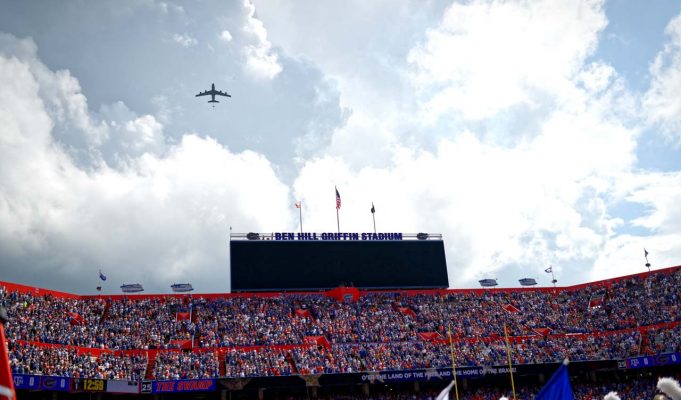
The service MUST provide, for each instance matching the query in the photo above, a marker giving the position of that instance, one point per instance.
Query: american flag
(299, 204)
(338, 201)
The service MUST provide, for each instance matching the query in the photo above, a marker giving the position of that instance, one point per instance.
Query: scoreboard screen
(264, 265)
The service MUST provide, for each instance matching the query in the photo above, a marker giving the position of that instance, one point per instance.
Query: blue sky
(634, 36)
(528, 133)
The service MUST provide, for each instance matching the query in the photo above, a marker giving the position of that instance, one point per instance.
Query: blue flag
(101, 275)
(558, 387)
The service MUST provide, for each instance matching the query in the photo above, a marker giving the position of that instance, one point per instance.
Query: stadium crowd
(184, 365)
(63, 361)
(257, 362)
(241, 336)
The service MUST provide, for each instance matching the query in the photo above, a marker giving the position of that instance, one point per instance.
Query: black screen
(262, 265)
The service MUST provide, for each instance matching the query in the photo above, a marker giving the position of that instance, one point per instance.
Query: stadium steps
(105, 313)
(151, 363)
(291, 360)
(644, 344)
(222, 367)
(193, 311)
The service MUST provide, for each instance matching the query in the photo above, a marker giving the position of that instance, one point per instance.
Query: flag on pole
(558, 387)
(548, 270)
(338, 200)
(299, 204)
(101, 275)
(645, 253)
(444, 394)
(373, 209)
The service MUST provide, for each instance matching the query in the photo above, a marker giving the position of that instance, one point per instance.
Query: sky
(529, 133)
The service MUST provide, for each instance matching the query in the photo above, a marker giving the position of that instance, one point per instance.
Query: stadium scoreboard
(312, 261)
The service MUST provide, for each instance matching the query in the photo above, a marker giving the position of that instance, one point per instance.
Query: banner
(189, 385)
(37, 382)
(55, 383)
(122, 386)
(432, 373)
(26, 382)
(654, 361)
(336, 236)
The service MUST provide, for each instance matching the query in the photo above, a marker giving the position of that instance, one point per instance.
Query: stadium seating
(177, 337)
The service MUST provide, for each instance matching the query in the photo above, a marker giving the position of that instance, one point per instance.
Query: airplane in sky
(212, 93)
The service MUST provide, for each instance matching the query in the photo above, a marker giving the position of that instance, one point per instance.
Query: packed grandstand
(177, 337)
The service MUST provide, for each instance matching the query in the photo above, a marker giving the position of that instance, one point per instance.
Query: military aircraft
(212, 93)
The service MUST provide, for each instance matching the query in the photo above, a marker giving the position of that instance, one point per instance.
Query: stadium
(304, 335)
(171, 220)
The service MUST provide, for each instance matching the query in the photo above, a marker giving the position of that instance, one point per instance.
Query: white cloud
(157, 218)
(144, 133)
(261, 61)
(662, 101)
(226, 36)
(543, 198)
(185, 40)
(60, 94)
(660, 194)
(539, 202)
(488, 56)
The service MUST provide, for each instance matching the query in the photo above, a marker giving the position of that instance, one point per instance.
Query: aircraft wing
(206, 93)
(219, 93)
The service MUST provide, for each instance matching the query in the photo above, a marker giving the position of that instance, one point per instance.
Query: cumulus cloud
(532, 204)
(226, 36)
(185, 40)
(662, 101)
(157, 218)
(60, 93)
(261, 61)
(487, 56)
(660, 194)
(542, 199)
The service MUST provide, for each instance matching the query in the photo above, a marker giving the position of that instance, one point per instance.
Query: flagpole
(373, 215)
(337, 208)
(553, 279)
(645, 253)
(508, 354)
(451, 349)
(300, 209)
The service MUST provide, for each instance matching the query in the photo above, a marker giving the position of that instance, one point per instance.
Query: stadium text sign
(32, 382)
(432, 373)
(191, 385)
(337, 236)
(654, 361)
